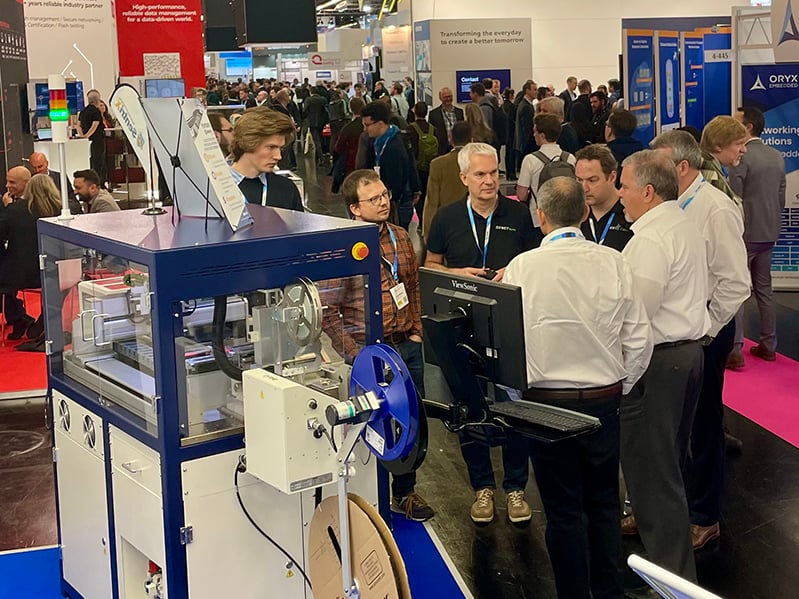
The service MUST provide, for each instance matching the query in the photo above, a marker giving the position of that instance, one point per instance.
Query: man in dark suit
(568, 95)
(40, 165)
(259, 138)
(581, 114)
(16, 181)
(443, 118)
(314, 110)
(760, 180)
(525, 144)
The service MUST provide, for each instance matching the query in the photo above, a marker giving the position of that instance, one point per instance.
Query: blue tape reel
(392, 430)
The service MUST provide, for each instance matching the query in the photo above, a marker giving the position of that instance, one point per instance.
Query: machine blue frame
(195, 258)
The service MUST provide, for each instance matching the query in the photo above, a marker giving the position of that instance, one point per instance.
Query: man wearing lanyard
(596, 171)
(669, 265)
(368, 200)
(392, 161)
(722, 227)
(259, 137)
(478, 236)
(572, 363)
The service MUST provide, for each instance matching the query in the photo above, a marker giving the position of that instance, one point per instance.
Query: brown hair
(601, 154)
(548, 125)
(349, 188)
(721, 132)
(255, 125)
(42, 196)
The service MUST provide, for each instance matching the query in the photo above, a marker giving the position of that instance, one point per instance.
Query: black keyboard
(565, 421)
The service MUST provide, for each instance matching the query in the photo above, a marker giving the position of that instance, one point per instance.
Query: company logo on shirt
(505, 228)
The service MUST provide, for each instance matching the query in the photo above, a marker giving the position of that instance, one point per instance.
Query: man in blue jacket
(391, 158)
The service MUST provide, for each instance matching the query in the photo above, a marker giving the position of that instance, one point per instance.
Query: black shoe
(36, 330)
(413, 506)
(19, 327)
(35, 345)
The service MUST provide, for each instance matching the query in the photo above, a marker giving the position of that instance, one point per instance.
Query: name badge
(399, 295)
(377, 170)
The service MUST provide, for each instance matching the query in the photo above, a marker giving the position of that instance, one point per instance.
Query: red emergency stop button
(360, 251)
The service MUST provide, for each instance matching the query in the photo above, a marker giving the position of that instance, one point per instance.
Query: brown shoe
(629, 526)
(518, 508)
(702, 535)
(761, 352)
(483, 507)
(735, 361)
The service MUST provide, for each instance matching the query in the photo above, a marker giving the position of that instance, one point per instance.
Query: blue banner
(718, 77)
(639, 87)
(774, 89)
(693, 55)
(668, 82)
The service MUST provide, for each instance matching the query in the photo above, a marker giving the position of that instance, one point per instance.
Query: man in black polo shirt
(90, 125)
(596, 171)
(479, 236)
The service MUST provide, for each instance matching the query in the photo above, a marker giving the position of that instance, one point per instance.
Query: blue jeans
(477, 456)
(403, 485)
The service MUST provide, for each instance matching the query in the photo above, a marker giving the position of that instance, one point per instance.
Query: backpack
(554, 167)
(428, 147)
(500, 120)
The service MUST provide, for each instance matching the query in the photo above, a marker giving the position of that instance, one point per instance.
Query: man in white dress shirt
(587, 340)
(722, 227)
(669, 264)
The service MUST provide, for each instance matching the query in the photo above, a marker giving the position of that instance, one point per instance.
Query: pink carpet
(766, 393)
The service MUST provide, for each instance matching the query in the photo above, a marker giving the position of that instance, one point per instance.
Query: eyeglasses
(375, 201)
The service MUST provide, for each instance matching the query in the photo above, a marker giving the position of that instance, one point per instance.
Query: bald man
(90, 126)
(41, 166)
(16, 180)
(443, 118)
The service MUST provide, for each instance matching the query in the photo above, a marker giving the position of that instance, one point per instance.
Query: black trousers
(97, 159)
(578, 480)
(705, 469)
(656, 421)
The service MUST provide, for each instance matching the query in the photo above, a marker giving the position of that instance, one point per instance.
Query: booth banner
(161, 27)
(125, 107)
(784, 32)
(397, 53)
(693, 49)
(75, 39)
(774, 89)
(668, 80)
(718, 75)
(421, 46)
(639, 60)
(325, 60)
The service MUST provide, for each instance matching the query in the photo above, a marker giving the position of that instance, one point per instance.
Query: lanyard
(263, 195)
(395, 266)
(601, 240)
(487, 236)
(687, 202)
(562, 235)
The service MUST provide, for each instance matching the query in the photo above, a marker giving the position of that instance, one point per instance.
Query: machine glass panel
(299, 331)
(98, 310)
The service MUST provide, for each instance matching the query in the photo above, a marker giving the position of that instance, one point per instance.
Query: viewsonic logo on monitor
(464, 286)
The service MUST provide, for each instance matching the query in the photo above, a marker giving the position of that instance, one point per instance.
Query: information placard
(668, 80)
(639, 60)
(693, 49)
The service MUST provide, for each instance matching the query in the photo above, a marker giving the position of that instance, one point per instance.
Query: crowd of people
(647, 255)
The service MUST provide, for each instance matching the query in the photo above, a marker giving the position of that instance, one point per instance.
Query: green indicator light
(59, 115)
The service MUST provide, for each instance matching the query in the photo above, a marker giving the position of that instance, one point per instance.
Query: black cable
(239, 468)
(218, 339)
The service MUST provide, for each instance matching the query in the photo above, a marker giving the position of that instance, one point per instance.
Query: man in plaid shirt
(368, 200)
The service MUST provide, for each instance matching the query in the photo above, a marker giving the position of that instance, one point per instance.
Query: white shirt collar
(692, 188)
(238, 177)
(554, 234)
(649, 216)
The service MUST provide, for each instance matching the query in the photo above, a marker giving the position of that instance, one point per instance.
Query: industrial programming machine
(201, 413)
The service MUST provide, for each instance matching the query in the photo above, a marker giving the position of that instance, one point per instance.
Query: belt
(670, 344)
(538, 394)
(396, 338)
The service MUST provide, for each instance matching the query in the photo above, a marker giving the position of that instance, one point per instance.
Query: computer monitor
(164, 88)
(465, 79)
(489, 319)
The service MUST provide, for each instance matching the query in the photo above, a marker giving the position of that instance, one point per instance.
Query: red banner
(161, 27)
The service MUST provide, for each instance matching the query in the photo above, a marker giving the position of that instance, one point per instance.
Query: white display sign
(718, 55)
(325, 61)
(397, 53)
(76, 39)
(125, 107)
